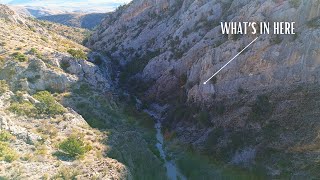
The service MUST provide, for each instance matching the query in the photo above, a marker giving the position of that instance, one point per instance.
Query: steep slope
(60, 117)
(87, 21)
(261, 111)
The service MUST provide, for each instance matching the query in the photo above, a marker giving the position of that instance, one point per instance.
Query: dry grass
(19, 38)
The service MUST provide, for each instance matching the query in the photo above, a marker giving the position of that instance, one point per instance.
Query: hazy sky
(100, 5)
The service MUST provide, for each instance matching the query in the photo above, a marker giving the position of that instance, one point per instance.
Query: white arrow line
(230, 61)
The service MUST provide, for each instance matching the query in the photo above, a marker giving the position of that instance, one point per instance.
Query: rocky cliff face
(255, 107)
(186, 39)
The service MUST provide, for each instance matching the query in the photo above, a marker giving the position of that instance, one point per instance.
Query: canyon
(260, 113)
(133, 93)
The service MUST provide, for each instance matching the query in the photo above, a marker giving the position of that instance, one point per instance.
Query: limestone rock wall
(187, 35)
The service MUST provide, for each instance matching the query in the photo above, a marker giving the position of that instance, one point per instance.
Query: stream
(172, 171)
(155, 111)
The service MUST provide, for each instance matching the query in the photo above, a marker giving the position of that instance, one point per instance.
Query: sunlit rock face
(188, 41)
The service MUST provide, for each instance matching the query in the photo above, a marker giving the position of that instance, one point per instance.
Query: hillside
(71, 6)
(260, 113)
(87, 21)
(35, 11)
(60, 116)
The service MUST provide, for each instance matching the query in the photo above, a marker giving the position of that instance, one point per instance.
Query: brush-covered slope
(60, 117)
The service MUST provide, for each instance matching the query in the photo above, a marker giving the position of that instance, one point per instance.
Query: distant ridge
(87, 21)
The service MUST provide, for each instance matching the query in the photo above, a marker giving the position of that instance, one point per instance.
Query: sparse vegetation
(5, 136)
(24, 108)
(19, 57)
(35, 52)
(49, 130)
(3, 87)
(6, 153)
(66, 174)
(77, 53)
(48, 104)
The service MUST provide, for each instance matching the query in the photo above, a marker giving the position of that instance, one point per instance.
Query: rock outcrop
(10, 15)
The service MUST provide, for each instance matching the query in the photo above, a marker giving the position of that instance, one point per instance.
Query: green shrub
(97, 60)
(18, 96)
(84, 89)
(313, 23)
(48, 104)
(5, 136)
(44, 39)
(34, 51)
(95, 122)
(64, 65)
(19, 56)
(137, 65)
(276, 39)
(33, 29)
(203, 117)
(241, 90)
(262, 108)
(74, 146)
(6, 153)
(24, 108)
(76, 53)
(213, 80)
(142, 118)
(3, 86)
(212, 140)
(219, 108)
